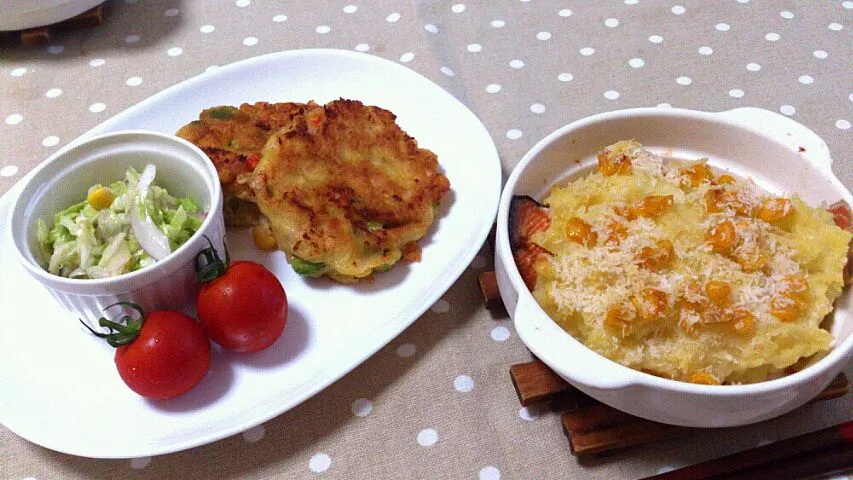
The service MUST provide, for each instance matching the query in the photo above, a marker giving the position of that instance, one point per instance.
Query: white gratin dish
(780, 155)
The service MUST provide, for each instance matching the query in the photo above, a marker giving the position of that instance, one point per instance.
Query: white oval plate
(58, 385)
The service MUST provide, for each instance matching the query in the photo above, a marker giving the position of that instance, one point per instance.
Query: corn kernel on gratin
(672, 269)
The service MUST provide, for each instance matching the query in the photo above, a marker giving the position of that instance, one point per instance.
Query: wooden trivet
(594, 428)
(42, 35)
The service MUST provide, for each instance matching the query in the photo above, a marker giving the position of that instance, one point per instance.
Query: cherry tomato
(242, 306)
(161, 355)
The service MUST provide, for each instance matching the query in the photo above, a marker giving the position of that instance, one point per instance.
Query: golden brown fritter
(234, 138)
(346, 191)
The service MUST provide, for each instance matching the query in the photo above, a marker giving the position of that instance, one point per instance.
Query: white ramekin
(182, 168)
(779, 154)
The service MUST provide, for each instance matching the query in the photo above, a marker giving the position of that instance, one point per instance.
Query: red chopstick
(823, 451)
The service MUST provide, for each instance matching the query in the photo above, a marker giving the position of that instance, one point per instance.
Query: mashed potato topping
(668, 268)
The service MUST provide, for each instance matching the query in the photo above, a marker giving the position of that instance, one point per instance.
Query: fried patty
(234, 139)
(344, 190)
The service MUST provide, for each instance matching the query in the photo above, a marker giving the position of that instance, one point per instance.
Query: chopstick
(823, 451)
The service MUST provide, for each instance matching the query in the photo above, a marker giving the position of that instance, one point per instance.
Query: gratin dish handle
(568, 357)
(792, 133)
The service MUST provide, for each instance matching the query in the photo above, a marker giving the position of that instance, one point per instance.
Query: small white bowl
(182, 168)
(780, 155)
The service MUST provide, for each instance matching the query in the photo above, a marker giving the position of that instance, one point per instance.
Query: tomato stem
(123, 331)
(214, 267)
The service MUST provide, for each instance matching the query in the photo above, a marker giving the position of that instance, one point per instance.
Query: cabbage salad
(119, 228)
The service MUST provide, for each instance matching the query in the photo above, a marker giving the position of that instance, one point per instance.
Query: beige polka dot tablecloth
(437, 401)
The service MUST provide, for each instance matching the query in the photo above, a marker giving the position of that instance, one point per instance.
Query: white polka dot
(55, 49)
(753, 67)
(500, 334)
(175, 51)
(131, 39)
(678, 9)
(427, 437)
(474, 47)
(53, 93)
(447, 71)
(611, 95)
(493, 88)
(242, 3)
(787, 110)
(543, 36)
(772, 37)
(656, 39)
(254, 434)
(490, 473)
(736, 93)
(458, 8)
(516, 63)
(636, 63)
(319, 462)
(19, 72)
(393, 18)
(835, 26)
(705, 50)
(172, 12)
(843, 124)
(537, 108)
(850, 97)
(664, 105)
(684, 80)
(723, 27)
(786, 14)
(463, 383)
(362, 47)
(50, 141)
(848, 5)
(139, 463)
(279, 18)
(742, 1)
(528, 414)
(350, 9)
(431, 28)
(250, 41)
(134, 81)
(587, 51)
(821, 54)
(611, 23)
(407, 57)
(498, 23)
(565, 13)
(565, 77)
(14, 119)
(361, 407)
(631, 2)
(478, 262)
(441, 306)
(8, 171)
(323, 29)
(207, 29)
(97, 107)
(97, 62)
(806, 79)
(407, 350)
(514, 134)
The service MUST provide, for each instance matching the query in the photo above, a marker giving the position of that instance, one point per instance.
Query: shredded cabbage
(85, 242)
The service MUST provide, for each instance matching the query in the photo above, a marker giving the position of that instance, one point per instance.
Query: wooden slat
(632, 433)
(88, 19)
(36, 36)
(489, 289)
(536, 383)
